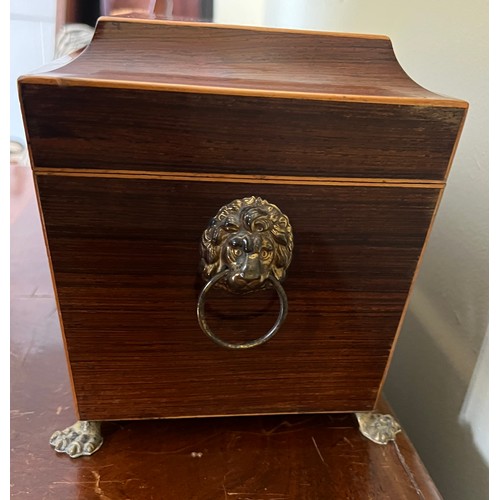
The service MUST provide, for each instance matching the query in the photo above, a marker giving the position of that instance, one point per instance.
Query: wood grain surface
(125, 254)
(97, 128)
(262, 61)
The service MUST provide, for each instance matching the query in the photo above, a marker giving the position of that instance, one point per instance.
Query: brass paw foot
(377, 427)
(82, 438)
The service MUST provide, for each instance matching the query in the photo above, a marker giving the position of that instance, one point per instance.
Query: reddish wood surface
(82, 127)
(271, 60)
(256, 458)
(125, 254)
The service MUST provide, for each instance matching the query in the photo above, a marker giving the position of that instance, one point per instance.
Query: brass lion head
(250, 239)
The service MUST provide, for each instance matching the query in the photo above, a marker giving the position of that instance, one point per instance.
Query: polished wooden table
(274, 457)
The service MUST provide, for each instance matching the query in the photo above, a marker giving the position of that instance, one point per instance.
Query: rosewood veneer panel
(125, 259)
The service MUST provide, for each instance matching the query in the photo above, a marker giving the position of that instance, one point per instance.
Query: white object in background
(475, 410)
(72, 38)
(32, 40)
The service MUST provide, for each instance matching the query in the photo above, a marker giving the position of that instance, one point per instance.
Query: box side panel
(99, 128)
(125, 254)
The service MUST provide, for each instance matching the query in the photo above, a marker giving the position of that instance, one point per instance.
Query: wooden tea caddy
(283, 153)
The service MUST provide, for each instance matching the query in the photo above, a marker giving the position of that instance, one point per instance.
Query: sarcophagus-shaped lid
(326, 104)
(270, 62)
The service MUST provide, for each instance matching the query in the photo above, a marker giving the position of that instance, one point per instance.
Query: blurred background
(438, 380)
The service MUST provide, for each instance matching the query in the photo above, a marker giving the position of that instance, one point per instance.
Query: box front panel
(125, 255)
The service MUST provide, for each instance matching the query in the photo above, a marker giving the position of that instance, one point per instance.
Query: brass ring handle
(200, 311)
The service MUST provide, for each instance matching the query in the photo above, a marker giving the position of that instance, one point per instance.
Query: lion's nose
(250, 270)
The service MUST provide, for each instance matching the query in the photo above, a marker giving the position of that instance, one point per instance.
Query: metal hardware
(82, 438)
(247, 247)
(241, 345)
(377, 427)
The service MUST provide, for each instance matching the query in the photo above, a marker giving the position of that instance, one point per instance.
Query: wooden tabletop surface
(275, 457)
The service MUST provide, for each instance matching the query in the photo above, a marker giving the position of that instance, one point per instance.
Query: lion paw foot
(82, 438)
(377, 427)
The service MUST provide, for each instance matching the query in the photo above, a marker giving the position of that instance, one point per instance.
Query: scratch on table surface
(60, 409)
(281, 496)
(177, 450)
(289, 425)
(348, 442)
(17, 413)
(224, 485)
(97, 487)
(408, 471)
(317, 449)
(28, 350)
(82, 467)
(72, 482)
(93, 482)
(247, 495)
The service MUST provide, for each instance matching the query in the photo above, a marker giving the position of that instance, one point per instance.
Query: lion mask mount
(250, 239)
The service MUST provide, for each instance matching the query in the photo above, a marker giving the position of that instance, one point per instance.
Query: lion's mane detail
(253, 220)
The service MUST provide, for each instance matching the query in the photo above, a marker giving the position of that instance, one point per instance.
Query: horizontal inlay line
(61, 80)
(239, 178)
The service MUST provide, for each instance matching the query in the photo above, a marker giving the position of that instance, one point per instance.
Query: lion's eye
(265, 253)
(230, 226)
(260, 226)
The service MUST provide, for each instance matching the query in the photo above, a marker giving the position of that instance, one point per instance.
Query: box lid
(168, 96)
(238, 60)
